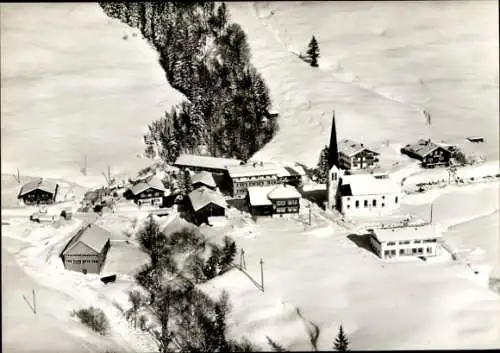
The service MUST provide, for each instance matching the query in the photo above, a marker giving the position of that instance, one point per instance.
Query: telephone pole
(262, 273)
(242, 259)
(34, 301)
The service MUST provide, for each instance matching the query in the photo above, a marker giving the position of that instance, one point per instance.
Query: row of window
(403, 252)
(245, 185)
(406, 242)
(287, 209)
(373, 203)
(284, 203)
(79, 262)
(258, 177)
(150, 194)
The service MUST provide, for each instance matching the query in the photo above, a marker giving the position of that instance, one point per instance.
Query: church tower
(334, 173)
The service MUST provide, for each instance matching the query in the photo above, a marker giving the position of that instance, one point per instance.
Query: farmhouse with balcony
(86, 252)
(197, 163)
(354, 155)
(428, 153)
(272, 200)
(150, 191)
(203, 178)
(38, 192)
(252, 174)
(204, 203)
(420, 241)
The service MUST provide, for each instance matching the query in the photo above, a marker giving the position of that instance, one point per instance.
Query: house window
(357, 203)
(406, 242)
(366, 203)
(280, 203)
(429, 250)
(413, 251)
(348, 199)
(334, 176)
(401, 252)
(383, 197)
(393, 252)
(386, 253)
(396, 199)
(348, 206)
(374, 203)
(391, 243)
(382, 205)
(417, 241)
(420, 250)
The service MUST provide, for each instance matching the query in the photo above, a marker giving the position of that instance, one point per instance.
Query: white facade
(362, 195)
(334, 176)
(368, 205)
(419, 241)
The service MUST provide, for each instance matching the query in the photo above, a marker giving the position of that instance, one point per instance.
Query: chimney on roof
(362, 145)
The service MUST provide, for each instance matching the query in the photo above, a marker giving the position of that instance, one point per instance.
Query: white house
(421, 241)
(252, 174)
(362, 194)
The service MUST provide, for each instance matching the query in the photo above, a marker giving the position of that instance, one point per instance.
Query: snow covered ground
(377, 77)
(71, 85)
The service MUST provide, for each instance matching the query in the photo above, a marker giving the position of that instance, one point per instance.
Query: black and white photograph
(250, 176)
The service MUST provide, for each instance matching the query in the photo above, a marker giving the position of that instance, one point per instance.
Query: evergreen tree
(341, 343)
(313, 52)
(228, 254)
(323, 166)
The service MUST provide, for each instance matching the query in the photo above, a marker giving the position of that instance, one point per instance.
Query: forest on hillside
(207, 58)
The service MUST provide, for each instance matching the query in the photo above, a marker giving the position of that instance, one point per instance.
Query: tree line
(207, 58)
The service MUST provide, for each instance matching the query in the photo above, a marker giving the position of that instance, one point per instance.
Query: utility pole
(431, 214)
(34, 301)
(262, 273)
(309, 214)
(18, 177)
(242, 259)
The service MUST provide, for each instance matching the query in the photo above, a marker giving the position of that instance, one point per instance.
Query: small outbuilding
(276, 199)
(205, 203)
(38, 192)
(87, 250)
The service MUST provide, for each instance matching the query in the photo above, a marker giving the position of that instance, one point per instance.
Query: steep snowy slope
(380, 65)
(75, 82)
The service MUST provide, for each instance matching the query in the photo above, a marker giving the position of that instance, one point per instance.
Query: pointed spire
(333, 154)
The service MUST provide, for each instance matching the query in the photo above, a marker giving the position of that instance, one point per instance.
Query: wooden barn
(87, 250)
(203, 178)
(150, 191)
(38, 192)
(205, 203)
(428, 153)
(354, 155)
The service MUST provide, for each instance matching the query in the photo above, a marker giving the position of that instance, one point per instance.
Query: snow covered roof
(258, 195)
(93, 236)
(253, 169)
(283, 192)
(203, 196)
(41, 184)
(406, 233)
(422, 148)
(350, 147)
(205, 178)
(368, 184)
(287, 170)
(153, 182)
(191, 160)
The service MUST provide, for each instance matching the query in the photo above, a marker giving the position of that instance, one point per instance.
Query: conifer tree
(323, 166)
(313, 52)
(341, 343)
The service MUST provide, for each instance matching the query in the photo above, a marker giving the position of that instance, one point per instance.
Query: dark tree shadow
(315, 196)
(362, 241)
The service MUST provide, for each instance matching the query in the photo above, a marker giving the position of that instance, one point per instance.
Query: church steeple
(333, 153)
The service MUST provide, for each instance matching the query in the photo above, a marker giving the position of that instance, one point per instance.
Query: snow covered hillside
(380, 65)
(75, 82)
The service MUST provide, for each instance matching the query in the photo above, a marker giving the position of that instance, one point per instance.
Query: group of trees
(340, 344)
(187, 319)
(207, 58)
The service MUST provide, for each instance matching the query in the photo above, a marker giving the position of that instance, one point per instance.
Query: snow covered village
(247, 176)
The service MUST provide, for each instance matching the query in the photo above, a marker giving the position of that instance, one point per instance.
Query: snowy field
(71, 85)
(377, 77)
(380, 65)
